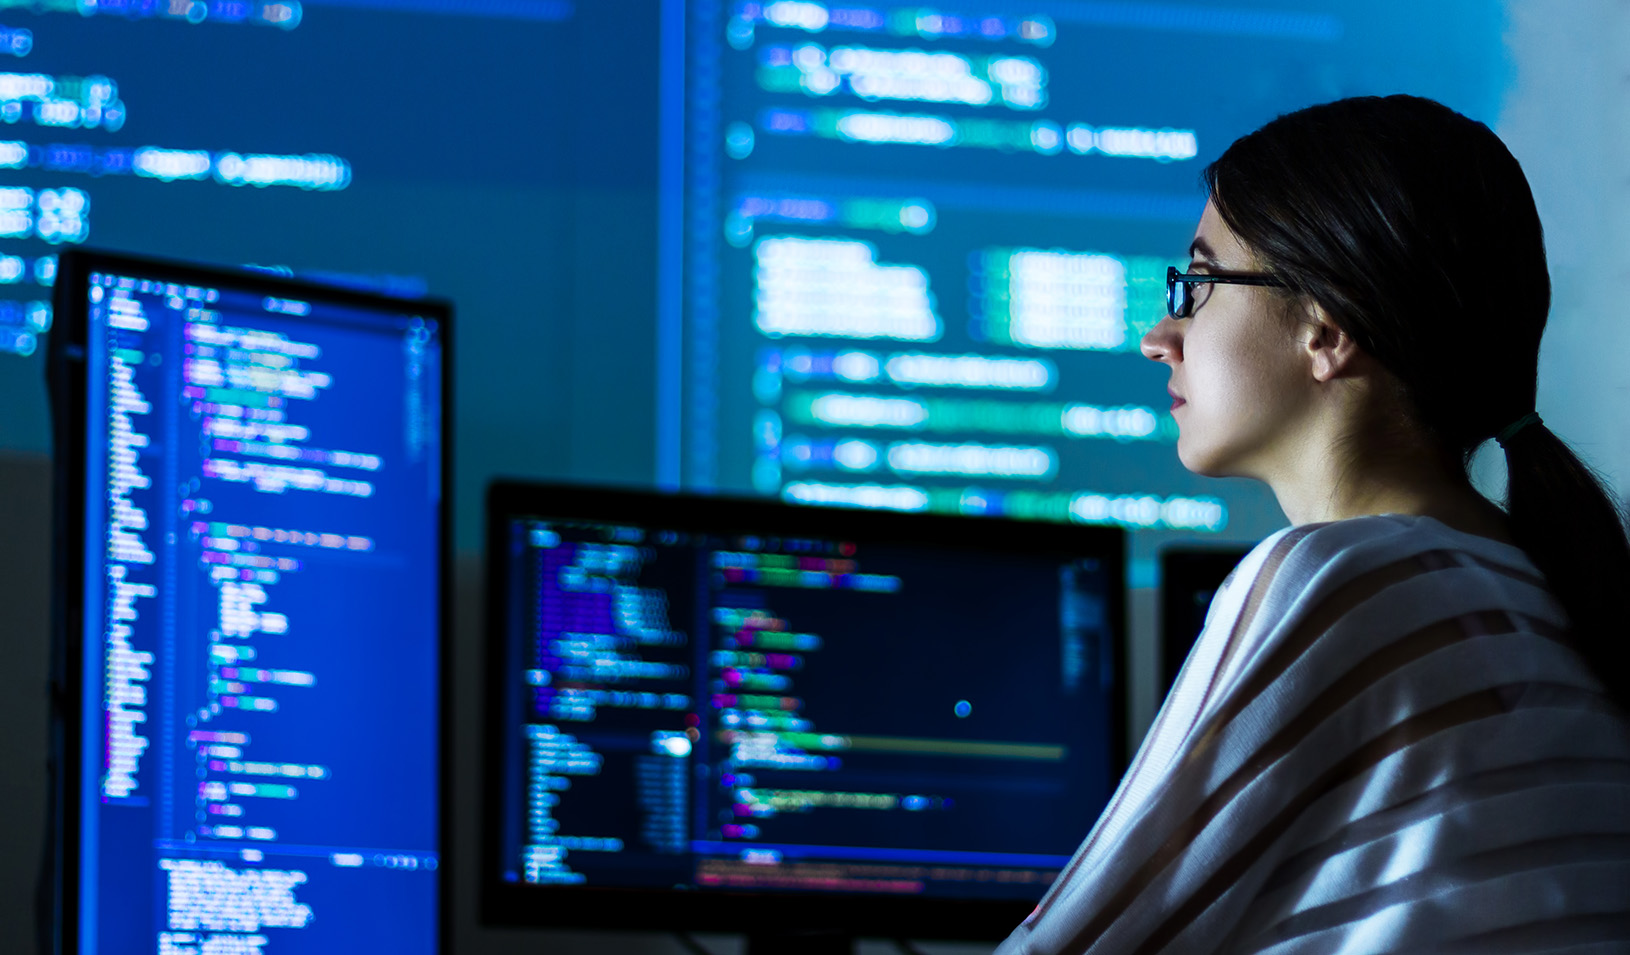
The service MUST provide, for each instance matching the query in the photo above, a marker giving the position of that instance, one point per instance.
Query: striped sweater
(1382, 743)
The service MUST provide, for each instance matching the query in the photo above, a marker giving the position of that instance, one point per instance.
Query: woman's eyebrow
(1201, 249)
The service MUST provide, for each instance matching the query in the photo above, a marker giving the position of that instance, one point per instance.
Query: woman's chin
(1199, 459)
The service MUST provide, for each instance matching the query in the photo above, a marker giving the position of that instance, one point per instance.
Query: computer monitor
(1189, 578)
(250, 596)
(719, 714)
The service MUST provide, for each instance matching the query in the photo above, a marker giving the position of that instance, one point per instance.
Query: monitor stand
(800, 943)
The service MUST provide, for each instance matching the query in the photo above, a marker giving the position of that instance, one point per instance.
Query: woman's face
(1239, 377)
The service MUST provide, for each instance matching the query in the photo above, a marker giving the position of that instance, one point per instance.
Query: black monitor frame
(844, 915)
(66, 378)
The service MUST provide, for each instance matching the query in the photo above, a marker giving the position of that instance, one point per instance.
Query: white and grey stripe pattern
(1381, 744)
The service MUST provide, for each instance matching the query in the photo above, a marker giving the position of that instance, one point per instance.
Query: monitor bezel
(66, 380)
(518, 905)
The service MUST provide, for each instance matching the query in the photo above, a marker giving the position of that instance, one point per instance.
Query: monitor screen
(252, 510)
(1189, 579)
(922, 242)
(722, 697)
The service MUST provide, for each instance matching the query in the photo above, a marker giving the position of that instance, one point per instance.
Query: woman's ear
(1330, 351)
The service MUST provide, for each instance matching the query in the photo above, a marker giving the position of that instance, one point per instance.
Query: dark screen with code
(713, 710)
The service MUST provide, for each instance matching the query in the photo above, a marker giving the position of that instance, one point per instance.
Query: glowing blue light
(962, 709)
(856, 366)
(855, 455)
(868, 411)
(858, 18)
(786, 208)
(1046, 137)
(17, 41)
(786, 121)
(871, 496)
(1067, 300)
(171, 164)
(45, 271)
(766, 474)
(915, 129)
(739, 32)
(970, 371)
(874, 74)
(26, 86)
(835, 287)
(1161, 145)
(18, 342)
(738, 140)
(669, 743)
(975, 460)
(1143, 511)
(810, 17)
(917, 216)
(767, 430)
(313, 171)
(1127, 422)
(63, 215)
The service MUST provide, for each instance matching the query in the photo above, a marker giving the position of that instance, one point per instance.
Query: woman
(1403, 728)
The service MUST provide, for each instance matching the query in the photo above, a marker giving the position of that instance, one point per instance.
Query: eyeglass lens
(1178, 297)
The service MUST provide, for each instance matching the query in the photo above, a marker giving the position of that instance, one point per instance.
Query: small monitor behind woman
(1403, 729)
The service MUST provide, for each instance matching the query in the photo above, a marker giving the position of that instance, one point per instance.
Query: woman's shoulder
(1334, 590)
(1333, 554)
(1416, 533)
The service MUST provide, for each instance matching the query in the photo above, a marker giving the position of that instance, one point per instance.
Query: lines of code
(603, 646)
(260, 747)
(923, 244)
(117, 116)
(46, 107)
(784, 776)
(730, 712)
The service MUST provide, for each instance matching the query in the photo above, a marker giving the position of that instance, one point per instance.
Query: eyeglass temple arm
(1189, 278)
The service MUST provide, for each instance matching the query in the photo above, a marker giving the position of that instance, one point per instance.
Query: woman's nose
(1164, 342)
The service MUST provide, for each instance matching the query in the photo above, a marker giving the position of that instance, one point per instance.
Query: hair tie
(1511, 429)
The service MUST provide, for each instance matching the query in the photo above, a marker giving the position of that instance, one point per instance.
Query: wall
(1566, 122)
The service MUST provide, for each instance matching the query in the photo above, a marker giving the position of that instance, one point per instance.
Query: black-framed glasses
(1180, 294)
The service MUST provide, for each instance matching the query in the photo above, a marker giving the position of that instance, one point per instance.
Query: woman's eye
(1198, 293)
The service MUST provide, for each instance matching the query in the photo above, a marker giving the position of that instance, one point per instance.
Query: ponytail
(1574, 532)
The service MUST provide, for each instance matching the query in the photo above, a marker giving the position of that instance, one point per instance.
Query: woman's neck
(1414, 481)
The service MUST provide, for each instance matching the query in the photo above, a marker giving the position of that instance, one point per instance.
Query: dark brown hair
(1414, 228)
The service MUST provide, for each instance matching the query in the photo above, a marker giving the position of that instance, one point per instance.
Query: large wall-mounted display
(921, 244)
(835, 252)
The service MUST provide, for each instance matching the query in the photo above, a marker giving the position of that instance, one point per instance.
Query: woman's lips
(1177, 400)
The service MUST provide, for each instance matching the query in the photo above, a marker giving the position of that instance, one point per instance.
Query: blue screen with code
(258, 755)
